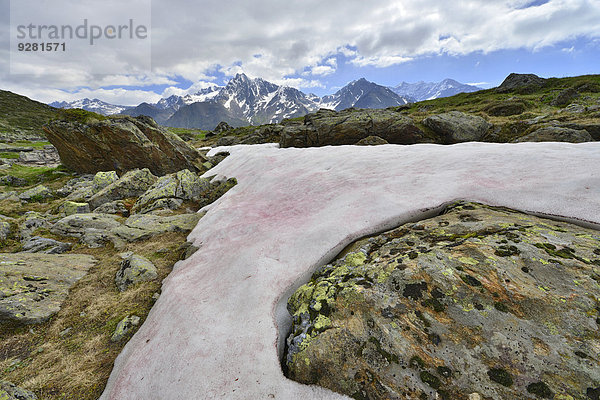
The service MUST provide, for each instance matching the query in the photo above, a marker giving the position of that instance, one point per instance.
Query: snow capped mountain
(94, 105)
(432, 90)
(255, 101)
(362, 94)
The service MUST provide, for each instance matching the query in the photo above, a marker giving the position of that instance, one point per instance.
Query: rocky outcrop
(33, 286)
(557, 134)
(479, 302)
(121, 144)
(327, 127)
(457, 127)
(523, 83)
(47, 156)
(506, 108)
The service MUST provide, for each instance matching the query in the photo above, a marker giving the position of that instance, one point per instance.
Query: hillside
(22, 118)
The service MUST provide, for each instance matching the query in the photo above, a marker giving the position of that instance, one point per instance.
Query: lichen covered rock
(8, 391)
(134, 269)
(33, 286)
(479, 302)
(124, 327)
(132, 184)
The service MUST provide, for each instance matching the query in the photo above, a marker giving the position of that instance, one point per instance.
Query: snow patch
(215, 330)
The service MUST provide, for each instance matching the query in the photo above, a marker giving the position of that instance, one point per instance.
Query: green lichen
(416, 362)
(430, 379)
(501, 376)
(355, 259)
(540, 389)
(501, 307)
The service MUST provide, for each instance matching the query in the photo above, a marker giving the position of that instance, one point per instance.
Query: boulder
(34, 286)
(92, 229)
(479, 302)
(75, 184)
(113, 207)
(104, 178)
(457, 127)
(70, 207)
(124, 327)
(37, 244)
(564, 97)
(95, 230)
(134, 269)
(8, 391)
(37, 193)
(557, 134)
(327, 127)
(121, 144)
(522, 83)
(133, 184)
(5, 228)
(183, 185)
(33, 221)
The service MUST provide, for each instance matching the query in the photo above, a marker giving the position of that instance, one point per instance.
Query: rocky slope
(22, 118)
(479, 302)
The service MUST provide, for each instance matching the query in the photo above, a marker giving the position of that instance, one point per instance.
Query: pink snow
(217, 330)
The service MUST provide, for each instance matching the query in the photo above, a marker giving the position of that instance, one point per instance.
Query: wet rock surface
(33, 286)
(477, 303)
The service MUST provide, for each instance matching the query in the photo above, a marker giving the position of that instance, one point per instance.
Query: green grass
(188, 134)
(9, 155)
(20, 114)
(78, 115)
(34, 175)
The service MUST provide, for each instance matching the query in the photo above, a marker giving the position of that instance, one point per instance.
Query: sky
(314, 45)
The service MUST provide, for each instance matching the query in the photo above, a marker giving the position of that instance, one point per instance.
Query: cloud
(275, 40)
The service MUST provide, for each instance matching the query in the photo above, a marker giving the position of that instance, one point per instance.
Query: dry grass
(76, 364)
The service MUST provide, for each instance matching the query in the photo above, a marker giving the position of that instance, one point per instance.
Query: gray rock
(132, 184)
(34, 286)
(46, 157)
(556, 134)
(564, 97)
(479, 299)
(144, 226)
(124, 327)
(574, 108)
(70, 207)
(10, 180)
(9, 196)
(183, 185)
(113, 207)
(75, 184)
(456, 126)
(222, 127)
(92, 229)
(8, 391)
(134, 269)
(37, 244)
(37, 193)
(33, 220)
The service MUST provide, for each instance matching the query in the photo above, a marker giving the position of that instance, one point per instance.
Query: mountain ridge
(255, 101)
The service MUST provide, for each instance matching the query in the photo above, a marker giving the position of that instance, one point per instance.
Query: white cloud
(195, 40)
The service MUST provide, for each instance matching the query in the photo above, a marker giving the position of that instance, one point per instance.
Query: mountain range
(254, 101)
